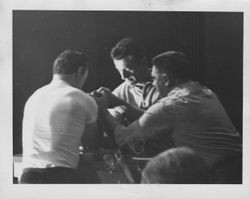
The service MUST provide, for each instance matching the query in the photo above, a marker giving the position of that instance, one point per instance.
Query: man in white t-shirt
(56, 117)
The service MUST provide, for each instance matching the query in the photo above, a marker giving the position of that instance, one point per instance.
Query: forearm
(109, 122)
(120, 134)
(132, 113)
(118, 114)
(111, 100)
(92, 136)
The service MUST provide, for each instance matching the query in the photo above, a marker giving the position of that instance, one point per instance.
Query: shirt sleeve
(154, 120)
(150, 96)
(158, 117)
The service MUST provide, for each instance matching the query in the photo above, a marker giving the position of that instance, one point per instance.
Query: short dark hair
(174, 62)
(128, 46)
(179, 165)
(68, 62)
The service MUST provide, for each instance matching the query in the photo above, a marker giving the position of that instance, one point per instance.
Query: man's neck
(181, 82)
(67, 78)
(177, 83)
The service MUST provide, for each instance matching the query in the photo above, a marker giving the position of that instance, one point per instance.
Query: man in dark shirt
(191, 113)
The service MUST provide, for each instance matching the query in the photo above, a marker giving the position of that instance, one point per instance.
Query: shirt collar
(139, 85)
(184, 88)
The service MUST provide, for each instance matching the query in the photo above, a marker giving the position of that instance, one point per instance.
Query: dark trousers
(55, 175)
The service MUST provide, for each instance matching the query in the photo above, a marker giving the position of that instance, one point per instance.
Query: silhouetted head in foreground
(176, 166)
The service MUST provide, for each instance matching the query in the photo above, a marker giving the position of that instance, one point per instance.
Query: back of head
(69, 61)
(173, 62)
(128, 46)
(176, 166)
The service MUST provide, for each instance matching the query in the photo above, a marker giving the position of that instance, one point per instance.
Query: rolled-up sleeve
(155, 119)
(158, 117)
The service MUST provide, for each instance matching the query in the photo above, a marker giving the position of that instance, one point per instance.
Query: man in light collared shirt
(191, 113)
(131, 62)
(136, 92)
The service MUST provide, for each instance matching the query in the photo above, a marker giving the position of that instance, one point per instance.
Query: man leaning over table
(130, 60)
(188, 111)
(136, 93)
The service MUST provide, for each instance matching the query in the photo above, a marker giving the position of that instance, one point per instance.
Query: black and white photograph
(142, 101)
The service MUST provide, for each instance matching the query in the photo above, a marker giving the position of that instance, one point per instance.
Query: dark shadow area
(213, 41)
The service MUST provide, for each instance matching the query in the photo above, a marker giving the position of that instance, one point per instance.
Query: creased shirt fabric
(55, 117)
(195, 118)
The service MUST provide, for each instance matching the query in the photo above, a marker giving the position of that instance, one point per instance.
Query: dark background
(213, 41)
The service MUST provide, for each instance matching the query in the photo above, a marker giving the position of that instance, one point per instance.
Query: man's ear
(81, 71)
(169, 79)
(166, 79)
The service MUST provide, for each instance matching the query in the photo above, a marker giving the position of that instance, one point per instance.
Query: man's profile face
(128, 69)
(160, 81)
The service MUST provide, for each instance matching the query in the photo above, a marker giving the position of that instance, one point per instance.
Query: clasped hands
(105, 99)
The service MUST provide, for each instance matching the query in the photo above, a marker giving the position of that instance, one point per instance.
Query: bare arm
(130, 112)
(110, 123)
(120, 134)
(152, 122)
(92, 136)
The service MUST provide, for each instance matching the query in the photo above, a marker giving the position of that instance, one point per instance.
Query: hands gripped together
(105, 99)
